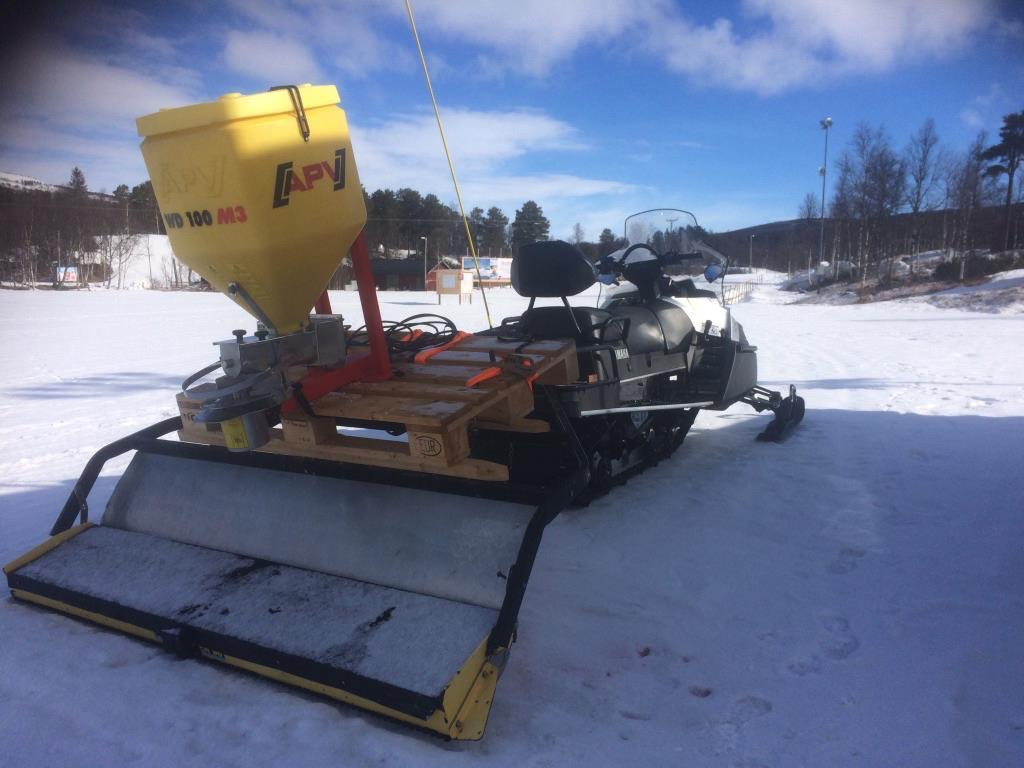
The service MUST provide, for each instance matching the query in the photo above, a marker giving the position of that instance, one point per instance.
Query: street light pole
(750, 266)
(826, 123)
(424, 239)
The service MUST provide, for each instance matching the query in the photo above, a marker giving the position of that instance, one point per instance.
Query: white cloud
(530, 35)
(798, 42)
(479, 140)
(986, 108)
(873, 34)
(344, 34)
(62, 108)
(811, 41)
(972, 119)
(714, 55)
(270, 57)
(49, 151)
(50, 82)
(794, 42)
(406, 152)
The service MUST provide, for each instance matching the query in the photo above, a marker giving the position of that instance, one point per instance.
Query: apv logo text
(288, 180)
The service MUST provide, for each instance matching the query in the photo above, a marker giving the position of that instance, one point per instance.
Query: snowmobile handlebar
(615, 267)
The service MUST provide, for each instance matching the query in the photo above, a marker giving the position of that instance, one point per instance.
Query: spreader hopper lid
(235, 106)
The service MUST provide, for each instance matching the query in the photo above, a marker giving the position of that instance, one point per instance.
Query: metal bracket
(237, 289)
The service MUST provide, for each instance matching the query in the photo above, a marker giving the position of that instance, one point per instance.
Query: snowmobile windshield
(669, 230)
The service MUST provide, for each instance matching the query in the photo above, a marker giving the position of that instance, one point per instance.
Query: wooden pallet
(429, 400)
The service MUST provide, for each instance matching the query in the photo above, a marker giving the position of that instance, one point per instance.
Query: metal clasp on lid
(300, 111)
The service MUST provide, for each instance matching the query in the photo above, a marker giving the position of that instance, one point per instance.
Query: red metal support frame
(323, 304)
(371, 309)
(374, 366)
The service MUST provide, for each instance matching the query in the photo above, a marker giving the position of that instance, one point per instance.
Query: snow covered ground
(1000, 293)
(851, 597)
(1003, 292)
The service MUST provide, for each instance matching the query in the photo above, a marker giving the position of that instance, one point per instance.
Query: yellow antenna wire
(451, 165)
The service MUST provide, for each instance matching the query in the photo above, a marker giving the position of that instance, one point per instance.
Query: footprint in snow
(839, 641)
(804, 666)
(846, 560)
(743, 711)
(643, 716)
(749, 707)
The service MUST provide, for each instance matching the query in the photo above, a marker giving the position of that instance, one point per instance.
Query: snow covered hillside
(850, 597)
(1003, 292)
(25, 183)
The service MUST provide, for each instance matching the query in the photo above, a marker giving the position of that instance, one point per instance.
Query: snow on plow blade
(394, 592)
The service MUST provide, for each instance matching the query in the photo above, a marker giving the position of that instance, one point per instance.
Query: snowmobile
(657, 350)
(385, 574)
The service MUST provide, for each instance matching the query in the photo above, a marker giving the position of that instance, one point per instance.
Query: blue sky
(593, 108)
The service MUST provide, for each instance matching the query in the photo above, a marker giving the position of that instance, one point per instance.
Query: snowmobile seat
(552, 269)
(585, 326)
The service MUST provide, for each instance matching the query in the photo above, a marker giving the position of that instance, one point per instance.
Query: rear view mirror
(712, 272)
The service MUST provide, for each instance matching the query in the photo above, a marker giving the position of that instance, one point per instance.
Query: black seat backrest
(551, 268)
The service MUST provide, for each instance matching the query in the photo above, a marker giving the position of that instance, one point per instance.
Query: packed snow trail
(850, 597)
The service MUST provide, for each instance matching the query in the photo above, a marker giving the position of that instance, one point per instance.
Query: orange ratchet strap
(407, 336)
(520, 365)
(424, 355)
(484, 375)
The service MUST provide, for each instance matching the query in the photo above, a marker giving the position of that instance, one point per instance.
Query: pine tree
(143, 198)
(1009, 151)
(382, 216)
(77, 185)
(494, 225)
(410, 209)
(476, 226)
(530, 225)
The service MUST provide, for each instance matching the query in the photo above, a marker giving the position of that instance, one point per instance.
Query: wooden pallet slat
(403, 387)
(419, 412)
(480, 358)
(433, 403)
(376, 453)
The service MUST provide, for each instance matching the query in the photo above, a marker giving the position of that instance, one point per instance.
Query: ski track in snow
(851, 597)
